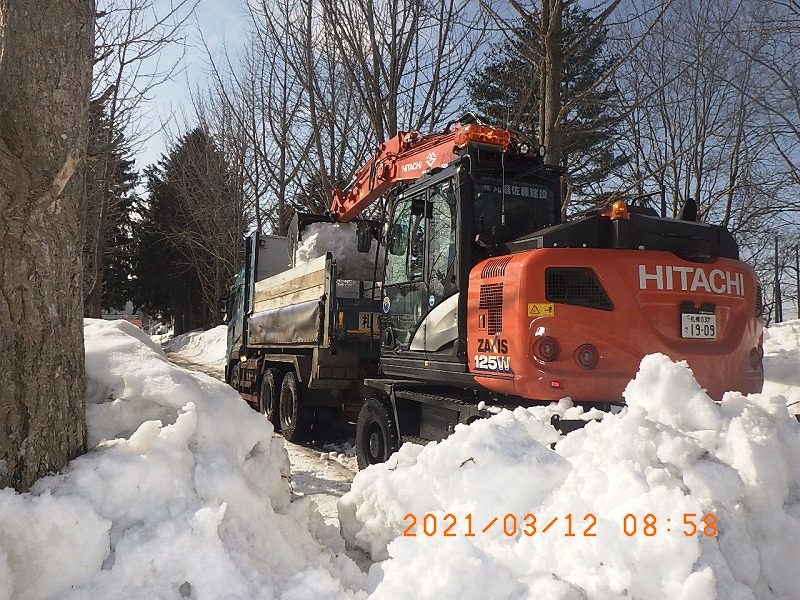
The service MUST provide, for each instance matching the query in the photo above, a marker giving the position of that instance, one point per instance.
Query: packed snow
(673, 454)
(340, 240)
(201, 347)
(322, 476)
(184, 494)
(782, 362)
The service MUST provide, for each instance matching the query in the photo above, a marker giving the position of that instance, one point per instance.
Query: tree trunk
(45, 72)
(551, 74)
(552, 86)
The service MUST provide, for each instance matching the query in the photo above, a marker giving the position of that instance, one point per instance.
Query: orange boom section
(550, 323)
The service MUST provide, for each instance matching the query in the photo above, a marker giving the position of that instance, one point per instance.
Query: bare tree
(405, 59)
(328, 135)
(710, 110)
(695, 125)
(776, 24)
(256, 109)
(366, 71)
(43, 136)
(131, 38)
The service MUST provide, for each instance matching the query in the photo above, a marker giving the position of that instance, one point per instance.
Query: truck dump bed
(307, 307)
(290, 308)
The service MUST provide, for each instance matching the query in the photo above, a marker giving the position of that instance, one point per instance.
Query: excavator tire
(377, 436)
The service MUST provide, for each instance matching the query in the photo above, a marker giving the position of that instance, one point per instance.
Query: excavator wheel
(377, 437)
(269, 398)
(295, 417)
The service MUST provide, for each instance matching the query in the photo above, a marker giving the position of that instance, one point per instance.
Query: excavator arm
(406, 157)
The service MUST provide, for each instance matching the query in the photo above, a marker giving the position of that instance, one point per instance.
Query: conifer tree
(111, 182)
(189, 237)
(506, 91)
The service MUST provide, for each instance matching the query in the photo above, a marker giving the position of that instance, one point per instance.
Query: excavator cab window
(507, 211)
(407, 242)
(441, 238)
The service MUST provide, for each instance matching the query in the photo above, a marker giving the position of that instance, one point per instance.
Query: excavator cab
(440, 228)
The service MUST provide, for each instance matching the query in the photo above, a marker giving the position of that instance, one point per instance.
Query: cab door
(419, 263)
(404, 300)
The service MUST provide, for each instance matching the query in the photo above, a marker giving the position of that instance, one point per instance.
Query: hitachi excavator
(486, 297)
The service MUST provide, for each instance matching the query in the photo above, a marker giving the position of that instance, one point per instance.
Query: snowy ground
(188, 494)
(782, 362)
(201, 350)
(319, 478)
(676, 497)
(185, 494)
(322, 473)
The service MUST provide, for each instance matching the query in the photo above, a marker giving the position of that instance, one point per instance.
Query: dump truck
(302, 339)
(489, 298)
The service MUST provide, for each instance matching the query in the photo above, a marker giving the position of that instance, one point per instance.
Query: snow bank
(781, 361)
(340, 240)
(204, 347)
(672, 452)
(193, 504)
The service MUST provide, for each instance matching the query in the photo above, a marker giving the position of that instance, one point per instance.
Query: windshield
(528, 207)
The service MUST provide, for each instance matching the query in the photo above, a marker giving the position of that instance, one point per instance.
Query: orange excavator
(486, 297)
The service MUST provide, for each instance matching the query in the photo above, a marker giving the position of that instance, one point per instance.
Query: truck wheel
(295, 418)
(376, 433)
(269, 398)
(233, 376)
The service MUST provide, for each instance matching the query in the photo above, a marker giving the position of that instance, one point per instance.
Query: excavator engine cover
(555, 322)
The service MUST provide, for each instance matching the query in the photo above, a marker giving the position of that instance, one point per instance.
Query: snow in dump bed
(203, 347)
(782, 362)
(673, 454)
(184, 495)
(340, 240)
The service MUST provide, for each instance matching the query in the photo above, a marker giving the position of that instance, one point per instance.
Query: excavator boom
(405, 158)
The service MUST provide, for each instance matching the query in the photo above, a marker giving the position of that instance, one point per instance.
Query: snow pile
(204, 347)
(781, 361)
(673, 453)
(340, 240)
(162, 339)
(195, 504)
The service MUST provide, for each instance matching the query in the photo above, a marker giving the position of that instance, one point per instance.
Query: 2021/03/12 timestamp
(567, 525)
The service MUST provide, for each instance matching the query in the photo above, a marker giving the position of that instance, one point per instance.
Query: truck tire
(295, 417)
(270, 396)
(377, 437)
(233, 376)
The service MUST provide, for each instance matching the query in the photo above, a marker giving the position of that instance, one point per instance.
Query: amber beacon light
(483, 134)
(618, 210)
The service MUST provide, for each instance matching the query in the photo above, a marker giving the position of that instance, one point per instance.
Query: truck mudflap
(287, 325)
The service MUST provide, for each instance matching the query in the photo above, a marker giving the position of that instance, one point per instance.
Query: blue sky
(221, 23)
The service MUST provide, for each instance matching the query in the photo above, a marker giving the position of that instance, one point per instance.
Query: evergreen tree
(118, 258)
(506, 91)
(189, 235)
(110, 190)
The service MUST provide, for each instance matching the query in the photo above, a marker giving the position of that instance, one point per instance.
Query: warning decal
(540, 309)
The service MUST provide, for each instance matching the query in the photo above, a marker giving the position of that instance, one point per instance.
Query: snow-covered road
(323, 473)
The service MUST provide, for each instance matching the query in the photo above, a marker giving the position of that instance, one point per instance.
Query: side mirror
(397, 240)
(364, 234)
(222, 308)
